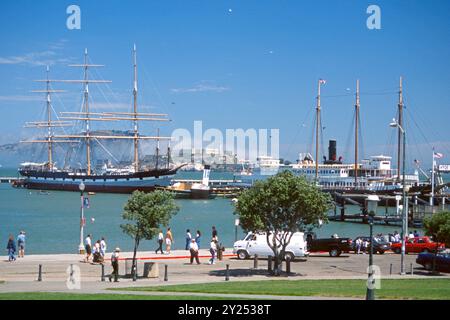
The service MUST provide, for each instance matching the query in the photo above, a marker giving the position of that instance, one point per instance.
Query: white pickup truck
(256, 243)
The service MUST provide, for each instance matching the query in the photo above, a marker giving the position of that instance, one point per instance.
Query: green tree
(438, 226)
(280, 206)
(146, 213)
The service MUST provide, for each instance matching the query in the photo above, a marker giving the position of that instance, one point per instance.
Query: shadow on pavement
(239, 273)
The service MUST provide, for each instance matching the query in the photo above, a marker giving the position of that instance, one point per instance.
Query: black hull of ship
(146, 181)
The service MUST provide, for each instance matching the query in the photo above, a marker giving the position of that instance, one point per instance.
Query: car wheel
(398, 250)
(242, 255)
(289, 255)
(381, 252)
(428, 266)
(335, 253)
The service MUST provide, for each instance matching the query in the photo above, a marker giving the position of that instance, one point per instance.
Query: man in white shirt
(160, 242)
(103, 247)
(88, 247)
(193, 248)
(115, 265)
(188, 238)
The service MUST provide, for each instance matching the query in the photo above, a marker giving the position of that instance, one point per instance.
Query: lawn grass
(112, 296)
(390, 288)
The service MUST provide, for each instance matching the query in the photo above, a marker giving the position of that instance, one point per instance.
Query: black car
(380, 244)
(442, 261)
(334, 245)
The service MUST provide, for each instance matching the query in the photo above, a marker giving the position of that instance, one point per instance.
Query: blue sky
(255, 66)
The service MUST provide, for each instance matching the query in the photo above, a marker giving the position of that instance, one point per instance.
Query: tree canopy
(282, 205)
(146, 213)
(282, 202)
(438, 226)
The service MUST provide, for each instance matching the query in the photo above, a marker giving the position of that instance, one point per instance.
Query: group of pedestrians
(361, 245)
(193, 246)
(168, 239)
(98, 250)
(11, 246)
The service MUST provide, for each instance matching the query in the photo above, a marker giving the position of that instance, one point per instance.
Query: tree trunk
(434, 258)
(134, 264)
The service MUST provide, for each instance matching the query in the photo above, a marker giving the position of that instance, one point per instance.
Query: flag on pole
(86, 202)
(438, 155)
(322, 81)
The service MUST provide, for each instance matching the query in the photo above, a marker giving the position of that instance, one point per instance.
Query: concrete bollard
(103, 273)
(255, 262)
(390, 270)
(412, 270)
(227, 273)
(288, 265)
(269, 263)
(40, 273)
(165, 273)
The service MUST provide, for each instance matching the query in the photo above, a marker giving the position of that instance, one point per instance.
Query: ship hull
(62, 181)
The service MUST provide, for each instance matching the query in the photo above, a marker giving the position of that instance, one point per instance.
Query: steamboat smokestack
(332, 150)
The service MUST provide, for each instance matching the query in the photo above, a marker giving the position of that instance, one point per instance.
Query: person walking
(213, 251)
(96, 256)
(160, 242)
(21, 244)
(188, 238)
(365, 244)
(358, 246)
(193, 248)
(396, 236)
(103, 247)
(115, 265)
(88, 247)
(11, 247)
(169, 240)
(416, 234)
(215, 234)
(198, 237)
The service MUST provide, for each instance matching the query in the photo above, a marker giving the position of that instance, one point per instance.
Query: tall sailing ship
(107, 178)
(368, 175)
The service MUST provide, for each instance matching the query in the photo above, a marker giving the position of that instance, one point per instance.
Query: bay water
(52, 221)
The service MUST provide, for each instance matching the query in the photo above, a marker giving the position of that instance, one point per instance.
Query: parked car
(256, 244)
(442, 261)
(380, 244)
(418, 245)
(334, 245)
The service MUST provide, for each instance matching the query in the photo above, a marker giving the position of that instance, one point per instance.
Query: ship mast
(88, 116)
(135, 115)
(357, 105)
(49, 124)
(317, 129)
(400, 122)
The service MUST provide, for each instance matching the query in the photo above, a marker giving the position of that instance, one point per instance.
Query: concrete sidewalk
(22, 275)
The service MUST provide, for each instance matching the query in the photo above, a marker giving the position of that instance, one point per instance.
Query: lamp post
(81, 246)
(372, 205)
(236, 224)
(395, 124)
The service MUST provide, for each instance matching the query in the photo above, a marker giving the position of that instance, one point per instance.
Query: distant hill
(12, 154)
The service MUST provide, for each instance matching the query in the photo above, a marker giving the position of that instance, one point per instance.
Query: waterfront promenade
(22, 275)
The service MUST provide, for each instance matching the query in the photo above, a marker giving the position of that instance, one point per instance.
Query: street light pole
(395, 123)
(372, 204)
(405, 207)
(81, 246)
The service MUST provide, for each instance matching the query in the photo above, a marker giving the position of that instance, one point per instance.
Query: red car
(418, 245)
